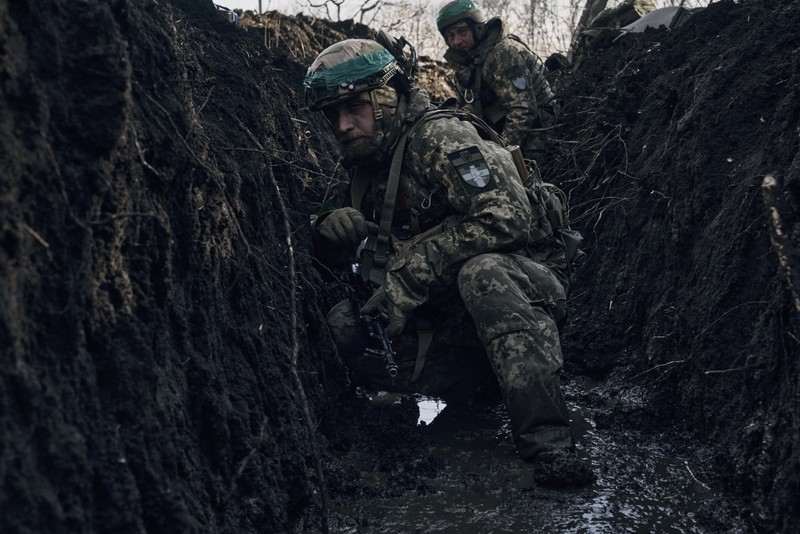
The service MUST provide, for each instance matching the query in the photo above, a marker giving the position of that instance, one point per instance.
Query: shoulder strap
(476, 86)
(483, 127)
(379, 246)
(358, 188)
(519, 40)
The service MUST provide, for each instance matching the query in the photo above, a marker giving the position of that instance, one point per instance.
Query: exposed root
(293, 284)
(657, 367)
(788, 256)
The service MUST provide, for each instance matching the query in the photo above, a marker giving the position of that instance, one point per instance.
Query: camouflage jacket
(503, 81)
(448, 173)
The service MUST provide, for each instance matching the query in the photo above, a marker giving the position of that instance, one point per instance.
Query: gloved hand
(400, 294)
(380, 304)
(344, 228)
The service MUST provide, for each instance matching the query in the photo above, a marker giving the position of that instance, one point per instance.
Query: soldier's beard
(360, 148)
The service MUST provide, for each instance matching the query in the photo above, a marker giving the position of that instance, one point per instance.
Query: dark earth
(165, 365)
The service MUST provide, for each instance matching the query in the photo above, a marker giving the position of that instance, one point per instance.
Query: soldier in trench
(464, 270)
(498, 77)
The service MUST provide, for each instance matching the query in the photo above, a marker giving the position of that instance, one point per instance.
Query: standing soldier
(498, 77)
(465, 273)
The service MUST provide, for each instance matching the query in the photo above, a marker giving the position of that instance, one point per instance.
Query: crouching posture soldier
(498, 77)
(465, 274)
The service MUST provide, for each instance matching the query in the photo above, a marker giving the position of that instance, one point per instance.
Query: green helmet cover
(347, 69)
(457, 10)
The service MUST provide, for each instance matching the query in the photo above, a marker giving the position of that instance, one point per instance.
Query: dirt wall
(683, 304)
(150, 316)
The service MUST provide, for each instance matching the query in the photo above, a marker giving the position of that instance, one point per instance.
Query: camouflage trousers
(501, 320)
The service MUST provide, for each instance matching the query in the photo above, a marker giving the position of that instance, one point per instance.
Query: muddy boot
(528, 363)
(561, 468)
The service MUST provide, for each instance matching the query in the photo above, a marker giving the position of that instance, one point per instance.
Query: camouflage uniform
(491, 283)
(513, 96)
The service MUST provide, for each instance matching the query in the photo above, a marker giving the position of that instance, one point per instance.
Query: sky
(290, 7)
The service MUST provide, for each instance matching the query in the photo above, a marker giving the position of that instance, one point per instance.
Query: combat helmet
(457, 10)
(349, 68)
(358, 68)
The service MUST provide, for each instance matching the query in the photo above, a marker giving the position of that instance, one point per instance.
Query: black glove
(380, 304)
(344, 228)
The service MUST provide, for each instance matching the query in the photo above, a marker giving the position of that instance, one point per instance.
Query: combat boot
(561, 468)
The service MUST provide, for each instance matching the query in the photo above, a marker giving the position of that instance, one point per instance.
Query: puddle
(429, 408)
(485, 488)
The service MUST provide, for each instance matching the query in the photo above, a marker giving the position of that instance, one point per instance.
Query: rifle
(374, 324)
(378, 331)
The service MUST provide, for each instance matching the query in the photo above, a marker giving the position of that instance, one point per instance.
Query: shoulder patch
(473, 170)
(517, 76)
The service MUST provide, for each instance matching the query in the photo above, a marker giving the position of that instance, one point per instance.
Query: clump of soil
(165, 361)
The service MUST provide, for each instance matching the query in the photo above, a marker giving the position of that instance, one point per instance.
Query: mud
(164, 361)
(645, 483)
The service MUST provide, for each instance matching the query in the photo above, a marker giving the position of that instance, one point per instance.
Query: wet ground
(483, 487)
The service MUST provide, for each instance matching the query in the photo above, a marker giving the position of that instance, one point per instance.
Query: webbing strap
(387, 212)
(424, 339)
(358, 188)
(476, 87)
(379, 248)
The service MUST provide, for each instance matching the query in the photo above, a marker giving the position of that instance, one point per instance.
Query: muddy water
(485, 489)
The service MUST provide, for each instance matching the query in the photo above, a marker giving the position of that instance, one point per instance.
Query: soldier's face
(353, 125)
(459, 37)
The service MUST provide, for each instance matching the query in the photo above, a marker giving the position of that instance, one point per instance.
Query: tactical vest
(484, 100)
(550, 219)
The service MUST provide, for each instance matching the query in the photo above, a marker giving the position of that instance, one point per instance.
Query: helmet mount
(396, 47)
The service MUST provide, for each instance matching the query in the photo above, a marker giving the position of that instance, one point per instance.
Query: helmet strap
(478, 30)
(377, 112)
(388, 127)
